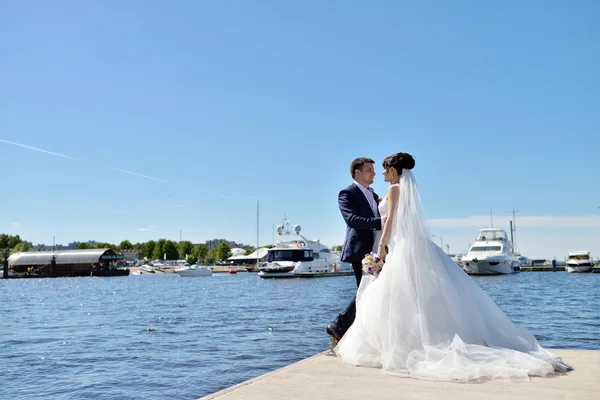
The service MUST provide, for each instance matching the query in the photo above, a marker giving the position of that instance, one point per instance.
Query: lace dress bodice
(383, 206)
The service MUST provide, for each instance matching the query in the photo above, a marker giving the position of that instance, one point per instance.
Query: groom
(358, 205)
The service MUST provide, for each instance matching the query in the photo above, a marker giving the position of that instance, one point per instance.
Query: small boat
(579, 261)
(146, 268)
(193, 271)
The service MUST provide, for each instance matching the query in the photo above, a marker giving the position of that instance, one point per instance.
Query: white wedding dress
(423, 317)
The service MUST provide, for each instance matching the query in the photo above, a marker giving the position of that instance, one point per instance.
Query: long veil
(424, 317)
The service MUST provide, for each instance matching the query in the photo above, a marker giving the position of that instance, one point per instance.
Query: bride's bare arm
(393, 195)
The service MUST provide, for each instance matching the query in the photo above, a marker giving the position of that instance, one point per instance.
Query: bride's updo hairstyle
(399, 161)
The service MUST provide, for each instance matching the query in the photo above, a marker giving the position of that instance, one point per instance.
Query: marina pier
(326, 377)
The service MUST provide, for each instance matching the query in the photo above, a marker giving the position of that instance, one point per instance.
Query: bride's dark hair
(399, 161)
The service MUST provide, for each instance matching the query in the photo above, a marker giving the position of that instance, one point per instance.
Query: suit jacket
(360, 223)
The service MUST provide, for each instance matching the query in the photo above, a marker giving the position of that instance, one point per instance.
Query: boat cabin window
(316, 256)
(491, 235)
(579, 257)
(290, 255)
(486, 248)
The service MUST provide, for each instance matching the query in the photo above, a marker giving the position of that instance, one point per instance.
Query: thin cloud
(221, 195)
(148, 229)
(17, 224)
(542, 221)
(79, 160)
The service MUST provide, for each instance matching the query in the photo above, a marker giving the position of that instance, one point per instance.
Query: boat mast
(257, 225)
(514, 226)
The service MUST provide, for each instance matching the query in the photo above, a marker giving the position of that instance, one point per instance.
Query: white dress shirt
(369, 196)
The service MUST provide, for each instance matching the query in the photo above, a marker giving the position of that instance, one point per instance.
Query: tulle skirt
(423, 317)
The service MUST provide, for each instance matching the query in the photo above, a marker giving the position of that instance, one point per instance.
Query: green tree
(148, 249)
(23, 246)
(185, 247)
(200, 252)
(337, 248)
(4, 240)
(125, 245)
(83, 246)
(192, 260)
(171, 250)
(223, 251)
(13, 241)
(105, 245)
(211, 256)
(139, 247)
(157, 252)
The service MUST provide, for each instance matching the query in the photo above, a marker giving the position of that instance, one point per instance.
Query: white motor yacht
(296, 256)
(579, 261)
(491, 254)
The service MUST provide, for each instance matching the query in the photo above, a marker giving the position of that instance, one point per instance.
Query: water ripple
(155, 337)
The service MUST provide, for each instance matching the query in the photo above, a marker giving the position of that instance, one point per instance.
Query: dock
(307, 275)
(325, 377)
(549, 268)
(543, 268)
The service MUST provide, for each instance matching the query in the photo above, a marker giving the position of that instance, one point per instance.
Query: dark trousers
(342, 322)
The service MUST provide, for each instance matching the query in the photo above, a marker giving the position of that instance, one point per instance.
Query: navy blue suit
(361, 223)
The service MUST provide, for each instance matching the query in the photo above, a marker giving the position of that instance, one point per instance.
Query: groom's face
(366, 175)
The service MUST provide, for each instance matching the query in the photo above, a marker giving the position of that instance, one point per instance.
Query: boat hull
(579, 268)
(485, 267)
(289, 275)
(187, 273)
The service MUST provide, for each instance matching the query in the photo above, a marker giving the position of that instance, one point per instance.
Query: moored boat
(579, 261)
(295, 256)
(491, 254)
(194, 271)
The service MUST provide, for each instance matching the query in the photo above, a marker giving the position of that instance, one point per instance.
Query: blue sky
(154, 117)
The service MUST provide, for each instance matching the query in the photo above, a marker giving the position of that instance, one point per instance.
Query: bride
(423, 317)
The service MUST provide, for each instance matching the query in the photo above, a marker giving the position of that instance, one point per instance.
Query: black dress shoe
(333, 333)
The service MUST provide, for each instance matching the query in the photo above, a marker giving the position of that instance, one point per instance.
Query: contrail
(40, 150)
(79, 160)
(140, 175)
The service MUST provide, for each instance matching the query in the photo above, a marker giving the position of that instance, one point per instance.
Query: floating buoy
(232, 271)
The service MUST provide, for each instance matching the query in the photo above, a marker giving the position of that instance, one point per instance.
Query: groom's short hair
(358, 163)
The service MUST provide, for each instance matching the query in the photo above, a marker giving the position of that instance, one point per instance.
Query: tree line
(154, 250)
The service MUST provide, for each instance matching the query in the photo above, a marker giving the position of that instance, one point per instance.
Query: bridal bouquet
(372, 264)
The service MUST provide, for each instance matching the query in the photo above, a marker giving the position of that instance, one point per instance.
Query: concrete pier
(326, 377)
